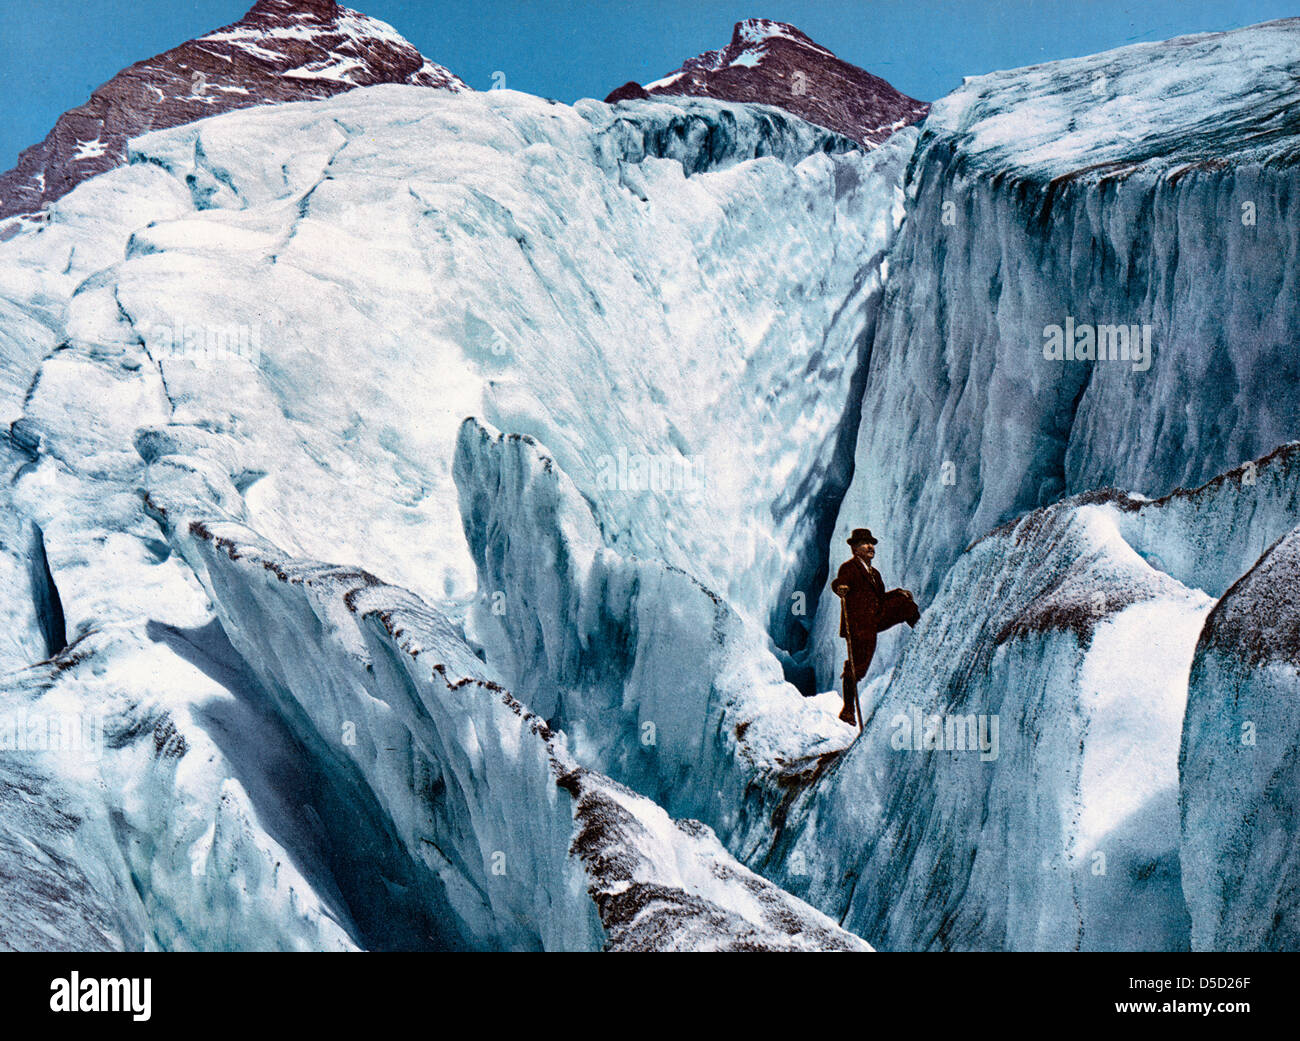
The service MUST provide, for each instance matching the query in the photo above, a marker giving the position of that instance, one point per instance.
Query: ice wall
(1073, 629)
(654, 678)
(1153, 186)
(519, 847)
(1239, 761)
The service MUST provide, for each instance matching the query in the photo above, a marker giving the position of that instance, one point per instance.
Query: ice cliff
(653, 676)
(1017, 784)
(1238, 765)
(1151, 186)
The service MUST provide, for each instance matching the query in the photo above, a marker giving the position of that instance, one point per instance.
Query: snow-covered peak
(750, 40)
(281, 50)
(318, 39)
(1182, 104)
(758, 31)
(773, 63)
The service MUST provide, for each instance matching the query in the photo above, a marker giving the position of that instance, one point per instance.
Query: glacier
(579, 424)
(215, 800)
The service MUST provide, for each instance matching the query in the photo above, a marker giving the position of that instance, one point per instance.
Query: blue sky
(54, 52)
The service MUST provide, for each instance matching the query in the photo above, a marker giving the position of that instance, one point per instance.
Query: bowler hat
(861, 535)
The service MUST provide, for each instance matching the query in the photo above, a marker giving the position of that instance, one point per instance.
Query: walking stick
(853, 670)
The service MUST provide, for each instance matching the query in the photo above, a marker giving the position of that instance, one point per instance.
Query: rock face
(771, 63)
(282, 50)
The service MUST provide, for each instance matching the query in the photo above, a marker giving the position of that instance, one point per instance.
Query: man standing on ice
(865, 610)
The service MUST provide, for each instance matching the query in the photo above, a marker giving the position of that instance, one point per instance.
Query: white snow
(760, 30)
(1045, 120)
(277, 32)
(364, 28)
(667, 81)
(246, 41)
(334, 68)
(92, 149)
(1135, 692)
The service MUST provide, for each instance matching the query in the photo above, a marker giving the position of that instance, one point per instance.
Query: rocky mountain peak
(774, 63)
(281, 50)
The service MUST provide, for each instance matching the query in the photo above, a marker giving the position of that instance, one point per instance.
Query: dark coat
(871, 609)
